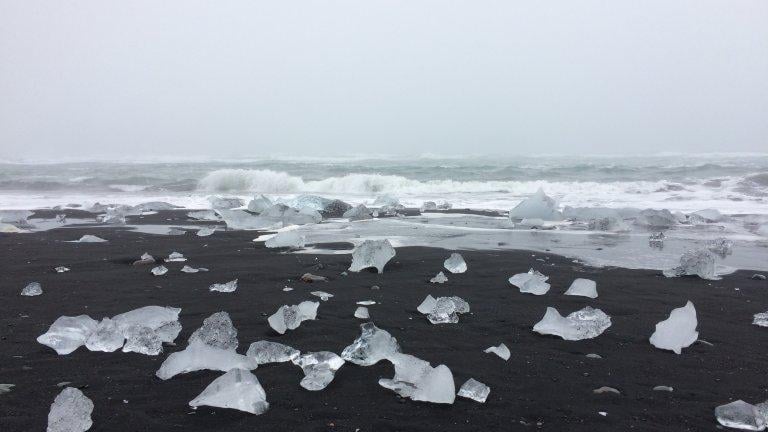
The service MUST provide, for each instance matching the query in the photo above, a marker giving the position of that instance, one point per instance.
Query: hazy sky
(227, 78)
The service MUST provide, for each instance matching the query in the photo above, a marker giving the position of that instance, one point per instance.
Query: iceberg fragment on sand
(537, 206)
(372, 253)
(501, 351)
(159, 270)
(586, 323)
(225, 203)
(324, 296)
(359, 212)
(226, 287)
(175, 257)
(532, 282)
(259, 204)
(475, 390)
(418, 380)
(70, 412)
(443, 310)
(428, 206)
(188, 269)
(217, 331)
(319, 369)
(455, 264)
(107, 337)
(32, 289)
(67, 333)
(286, 239)
(205, 232)
(271, 352)
(88, 238)
(699, 263)
(760, 319)
(741, 415)
(583, 287)
(439, 278)
(362, 313)
(373, 345)
(153, 317)
(656, 218)
(237, 389)
(205, 215)
(143, 340)
(678, 331)
(290, 317)
(199, 356)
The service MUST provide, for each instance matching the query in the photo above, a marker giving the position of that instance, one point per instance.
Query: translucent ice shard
(443, 310)
(707, 215)
(217, 331)
(243, 220)
(319, 369)
(61, 269)
(417, 379)
(362, 312)
(586, 323)
(760, 319)
(67, 334)
(159, 270)
(271, 352)
(107, 337)
(360, 212)
(227, 287)
(70, 412)
(373, 345)
(143, 340)
(699, 263)
(225, 203)
(372, 253)
(583, 288)
(188, 269)
(199, 356)
(310, 278)
(237, 389)
(532, 282)
(501, 351)
(455, 263)
(145, 259)
(324, 296)
(287, 239)
(537, 206)
(89, 239)
(439, 278)
(385, 200)
(678, 331)
(32, 289)
(153, 317)
(656, 218)
(428, 206)
(290, 317)
(205, 215)
(720, 246)
(259, 204)
(428, 305)
(205, 232)
(175, 257)
(740, 415)
(475, 390)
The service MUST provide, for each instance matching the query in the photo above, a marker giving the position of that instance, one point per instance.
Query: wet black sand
(546, 385)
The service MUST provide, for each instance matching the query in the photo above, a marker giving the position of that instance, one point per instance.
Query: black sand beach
(546, 385)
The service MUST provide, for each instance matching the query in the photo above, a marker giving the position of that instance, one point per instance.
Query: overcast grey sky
(227, 78)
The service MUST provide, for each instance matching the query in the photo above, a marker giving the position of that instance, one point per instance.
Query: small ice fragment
(227, 287)
(366, 302)
(417, 379)
(537, 206)
(443, 310)
(237, 389)
(309, 278)
(501, 351)
(286, 239)
(70, 412)
(66, 334)
(740, 415)
(319, 369)
(428, 205)
(145, 260)
(360, 212)
(699, 263)
(760, 319)
(656, 218)
(439, 278)
(586, 323)
(678, 331)
(707, 215)
(188, 269)
(663, 388)
(605, 389)
(199, 356)
(532, 282)
(32, 289)
(428, 305)
(159, 270)
(455, 264)
(603, 413)
(444, 206)
(175, 257)
(88, 238)
(6, 388)
(324, 296)
(373, 345)
(153, 317)
(205, 232)
(107, 337)
(286, 289)
(758, 276)
(271, 352)
(583, 288)
(720, 246)
(259, 204)
(372, 253)
(290, 317)
(61, 269)
(594, 356)
(217, 331)
(142, 340)
(362, 312)
(475, 390)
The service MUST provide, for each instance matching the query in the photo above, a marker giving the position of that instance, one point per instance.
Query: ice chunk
(362, 312)
(227, 287)
(319, 369)
(428, 206)
(168, 332)
(242, 220)
(107, 337)
(225, 203)
(199, 356)
(373, 345)
(663, 388)
(707, 215)
(290, 317)
(721, 246)
(205, 232)
(359, 212)
(61, 269)
(678, 331)
(259, 204)
(153, 317)
(324, 296)
(605, 389)
(699, 263)
(532, 282)
(439, 278)
(142, 340)
(455, 263)
(70, 412)
(67, 333)
(145, 259)
(159, 270)
(310, 278)
(443, 310)
(115, 215)
(501, 351)
(205, 215)
(289, 239)
(11, 229)
(217, 331)
(32, 289)
(428, 305)
(417, 379)
(271, 352)
(583, 288)
(740, 415)
(188, 269)
(237, 389)
(444, 206)
(366, 302)
(175, 257)
(385, 200)
(335, 209)
(656, 218)
(475, 390)
(89, 239)
(586, 323)
(372, 253)
(760, 319)
(6, 388)
(537, 206)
